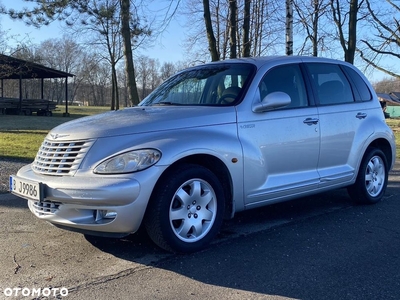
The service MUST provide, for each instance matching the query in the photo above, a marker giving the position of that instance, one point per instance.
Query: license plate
(26, 188)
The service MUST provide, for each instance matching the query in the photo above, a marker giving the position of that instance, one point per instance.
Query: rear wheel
(372, 178)
(186, 209)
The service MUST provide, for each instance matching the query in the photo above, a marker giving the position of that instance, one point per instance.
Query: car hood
(142, 119)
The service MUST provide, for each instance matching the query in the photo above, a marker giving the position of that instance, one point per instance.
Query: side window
(362, 92)
(331, 84)
(287, 79)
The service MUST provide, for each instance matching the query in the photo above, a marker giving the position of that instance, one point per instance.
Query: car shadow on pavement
(319, 247)
(138, 244)
(350, 253)
(134, 247)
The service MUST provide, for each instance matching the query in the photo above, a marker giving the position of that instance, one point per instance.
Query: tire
(372, 178)
(186, 209)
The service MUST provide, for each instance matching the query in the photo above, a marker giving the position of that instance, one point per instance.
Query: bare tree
(25, 52)
(126, 35)
(123, 87)
(27, 88)
(289, 27)
(167, 70)
(233, 30)
(246, 28)
(105, 24)
(148, 75)
(387, 85)
(143, 75)
(95, 85)
(342, 14)
(47, 11)
(310, 18)
(154, 70)
(240, 27)
(66, 55)
(3, 40)
(212, 44)
(386, 39)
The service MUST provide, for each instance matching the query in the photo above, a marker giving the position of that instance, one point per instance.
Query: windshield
(214, 84)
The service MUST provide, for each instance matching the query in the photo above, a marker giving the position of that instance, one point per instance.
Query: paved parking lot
(322, 247)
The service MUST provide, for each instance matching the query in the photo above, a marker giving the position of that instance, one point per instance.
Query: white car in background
(211, 141)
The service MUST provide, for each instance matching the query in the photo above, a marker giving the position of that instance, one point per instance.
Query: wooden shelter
(19, 69)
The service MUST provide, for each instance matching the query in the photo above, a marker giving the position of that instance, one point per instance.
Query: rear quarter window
(331, 84)
(361, 90)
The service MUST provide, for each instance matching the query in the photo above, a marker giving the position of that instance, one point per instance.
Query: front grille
(46, 208)
(60, 158)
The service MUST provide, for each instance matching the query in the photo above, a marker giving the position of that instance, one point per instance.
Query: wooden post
(2, 110)
(19, 110)
(66, 114)
(41, 88)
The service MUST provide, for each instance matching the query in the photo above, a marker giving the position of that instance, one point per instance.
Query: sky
(166, 48)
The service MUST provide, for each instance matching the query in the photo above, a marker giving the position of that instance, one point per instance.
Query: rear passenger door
(342, 113)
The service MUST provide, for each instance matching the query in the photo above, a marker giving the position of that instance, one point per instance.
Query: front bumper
(101, 205)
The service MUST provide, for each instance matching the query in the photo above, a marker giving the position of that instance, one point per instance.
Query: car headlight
(129, 162)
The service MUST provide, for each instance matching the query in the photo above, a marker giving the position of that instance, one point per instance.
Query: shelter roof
(15, 68)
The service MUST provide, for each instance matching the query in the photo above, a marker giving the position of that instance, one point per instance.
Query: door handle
(311, 121)
(361, 115)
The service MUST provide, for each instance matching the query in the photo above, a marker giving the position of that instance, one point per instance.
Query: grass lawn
(395, 125)
(21, 136)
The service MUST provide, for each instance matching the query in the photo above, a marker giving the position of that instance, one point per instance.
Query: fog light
(104, 214)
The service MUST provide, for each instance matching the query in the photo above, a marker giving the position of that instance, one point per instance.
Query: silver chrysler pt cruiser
(211, 141)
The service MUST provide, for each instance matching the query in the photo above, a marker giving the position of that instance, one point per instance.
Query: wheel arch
(216, 166)
(385, 147)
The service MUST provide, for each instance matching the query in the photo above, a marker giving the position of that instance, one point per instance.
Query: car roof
(262, 60)
(272, 61)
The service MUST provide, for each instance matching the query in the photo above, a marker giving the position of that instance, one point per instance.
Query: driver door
(281, 147)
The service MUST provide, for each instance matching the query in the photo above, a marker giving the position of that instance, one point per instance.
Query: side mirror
(272, 101)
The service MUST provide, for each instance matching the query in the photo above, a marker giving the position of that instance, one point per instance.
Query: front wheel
(372, 178)
(186, 209)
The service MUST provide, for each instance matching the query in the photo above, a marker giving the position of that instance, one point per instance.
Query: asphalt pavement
(320, 247)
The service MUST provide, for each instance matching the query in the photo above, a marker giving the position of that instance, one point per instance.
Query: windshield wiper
(167, 103)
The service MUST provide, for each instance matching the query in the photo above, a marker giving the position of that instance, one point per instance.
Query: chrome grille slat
(60, 158)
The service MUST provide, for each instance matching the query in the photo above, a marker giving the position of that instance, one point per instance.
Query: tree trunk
(212, 45)
(348, 46)
(233, 28)
(289, 27)
(315, 28)
(246, 29)
(112, 89)
(352, 40)
(129, 67)
(116, 90)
